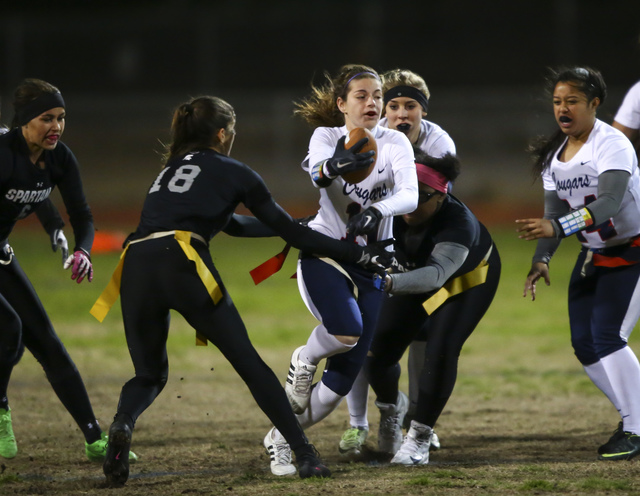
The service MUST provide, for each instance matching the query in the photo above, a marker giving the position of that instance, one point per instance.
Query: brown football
(356, 135)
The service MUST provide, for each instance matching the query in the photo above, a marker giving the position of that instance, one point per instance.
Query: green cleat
(352, 441)
(8, 446)
(97, 450)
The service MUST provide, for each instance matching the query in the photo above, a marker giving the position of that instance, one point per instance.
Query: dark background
(124, 66)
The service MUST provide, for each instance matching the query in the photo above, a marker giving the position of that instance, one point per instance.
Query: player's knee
(348, 340)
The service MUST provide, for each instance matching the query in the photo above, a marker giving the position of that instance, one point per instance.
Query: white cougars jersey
(629, 112)
(392, 186)
(433, 140)
(576, 182)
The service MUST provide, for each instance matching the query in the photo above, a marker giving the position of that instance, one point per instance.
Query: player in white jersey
(341, 296)
(406, 103)
(627, 118)
(592, 189)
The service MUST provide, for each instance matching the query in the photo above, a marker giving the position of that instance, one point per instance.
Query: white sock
(357, 400)
(323, 401)
(623, 371)
(598, 376)
(321, 345)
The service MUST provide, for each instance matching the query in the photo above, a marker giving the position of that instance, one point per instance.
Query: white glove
(59, 240)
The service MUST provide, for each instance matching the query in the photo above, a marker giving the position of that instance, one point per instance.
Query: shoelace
(282, 453)
(303, 382)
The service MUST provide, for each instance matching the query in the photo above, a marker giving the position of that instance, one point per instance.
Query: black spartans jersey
(24, 186)
(198, 192)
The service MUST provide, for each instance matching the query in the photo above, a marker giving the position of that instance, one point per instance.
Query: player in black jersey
(447, 276)
(32, 162)
(167, 265)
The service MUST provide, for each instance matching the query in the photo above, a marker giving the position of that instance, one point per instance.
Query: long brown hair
(320, 108)
(195, 125)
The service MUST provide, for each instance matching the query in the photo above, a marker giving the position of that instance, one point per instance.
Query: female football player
(341, 296)
(627, 118)
(592, 190)
(192, 200)
(33, 161)
(447, 275)
(406, 103)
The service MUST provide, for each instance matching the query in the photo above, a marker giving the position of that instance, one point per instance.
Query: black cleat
(310, 465)
(616, 436)
(116, 462)
(624, 448)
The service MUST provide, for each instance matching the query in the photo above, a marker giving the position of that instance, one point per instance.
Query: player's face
(429, 202)
(363, 103)
(405, 114)
(573, 112)
(229, 137)
(44, 132)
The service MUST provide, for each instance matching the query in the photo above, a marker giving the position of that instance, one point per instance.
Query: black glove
(304, 221)
(374, 256)
(350, 160)
(366, 222)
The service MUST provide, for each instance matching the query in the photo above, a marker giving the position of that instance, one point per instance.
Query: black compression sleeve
(302, 237)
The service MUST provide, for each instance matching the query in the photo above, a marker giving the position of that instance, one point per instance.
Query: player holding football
(341, 296)
(406, 103)
(592, 190)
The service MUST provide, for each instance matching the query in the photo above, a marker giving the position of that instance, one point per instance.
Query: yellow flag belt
(458, 285)
(110, 294)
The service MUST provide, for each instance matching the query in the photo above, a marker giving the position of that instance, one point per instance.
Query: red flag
(270, 267)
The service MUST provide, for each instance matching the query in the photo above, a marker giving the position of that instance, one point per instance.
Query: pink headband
(431, 177)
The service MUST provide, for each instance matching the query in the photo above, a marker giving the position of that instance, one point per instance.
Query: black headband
(409, 92)
(38, 106)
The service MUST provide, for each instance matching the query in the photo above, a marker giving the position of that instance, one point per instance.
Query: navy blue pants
(603, 309)
(330, 296)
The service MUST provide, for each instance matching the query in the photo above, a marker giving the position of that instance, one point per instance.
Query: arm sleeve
(304, 238)
(80, 217)
(49, 216)
(612, 185)
(553, 207)
(445, 259)
(245, 226)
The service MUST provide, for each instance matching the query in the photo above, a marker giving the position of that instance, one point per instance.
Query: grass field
(523, 419)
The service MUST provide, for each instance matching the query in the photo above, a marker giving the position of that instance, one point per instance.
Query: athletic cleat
(8, 445)
(615, 437)
(352, 441)
(415, 448)
(279, 452)
(116, 462)
(97, 451)
(390, 430)
(299, 380)
(309, 463)
(624, 448)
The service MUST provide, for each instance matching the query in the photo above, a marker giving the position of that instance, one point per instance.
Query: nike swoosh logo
(118, 456)
(416, 459)
(367, 221)
(582, 163)
(340, 165)
(380, 171)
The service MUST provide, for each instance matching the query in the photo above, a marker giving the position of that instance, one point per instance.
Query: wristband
(318, 174)
(575, 221)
